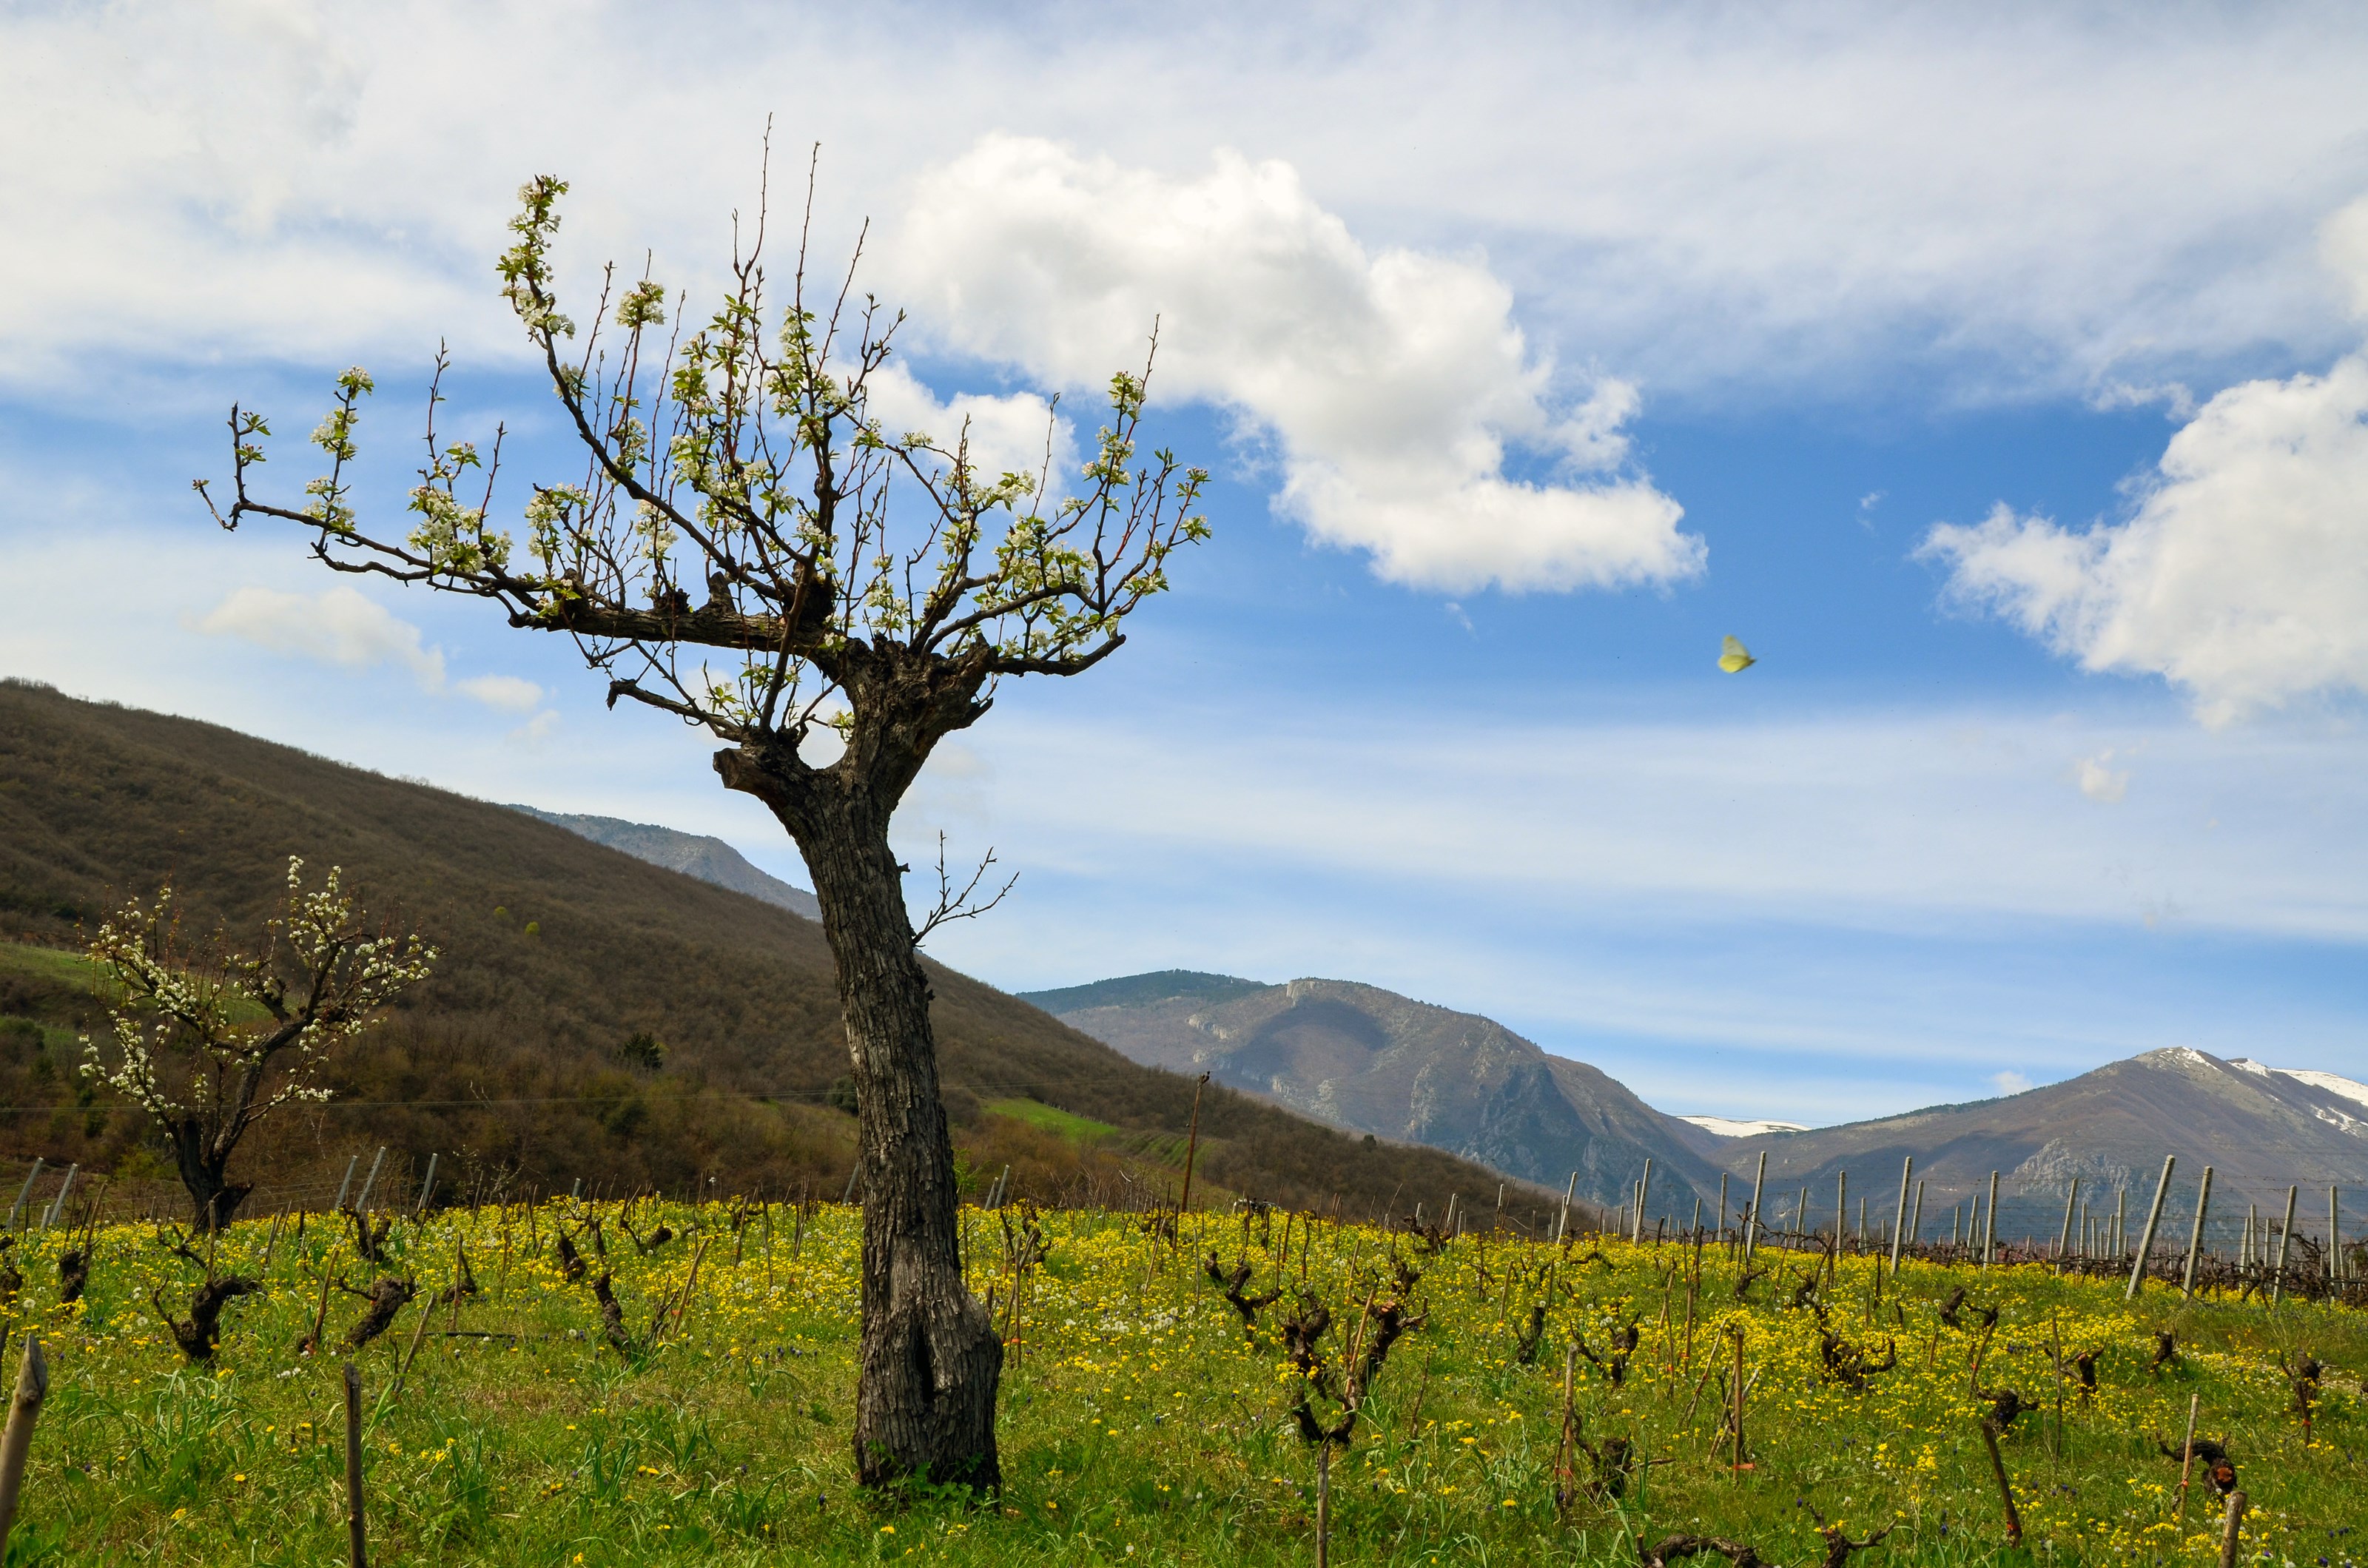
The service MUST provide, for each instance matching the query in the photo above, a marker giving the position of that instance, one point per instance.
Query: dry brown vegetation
(514, 1061)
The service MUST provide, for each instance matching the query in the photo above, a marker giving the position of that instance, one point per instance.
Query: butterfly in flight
(1734, 658)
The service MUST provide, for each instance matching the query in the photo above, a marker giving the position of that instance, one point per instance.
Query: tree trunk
(931, 1359)
(214, 1197)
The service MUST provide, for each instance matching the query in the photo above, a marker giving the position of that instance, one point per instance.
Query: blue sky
(1533, 351)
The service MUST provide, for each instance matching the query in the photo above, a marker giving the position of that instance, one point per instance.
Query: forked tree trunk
(930, 1359)
(213, 1197)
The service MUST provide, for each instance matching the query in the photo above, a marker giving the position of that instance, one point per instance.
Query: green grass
(1050, 1118)
(48, 965)
(1139, 1423)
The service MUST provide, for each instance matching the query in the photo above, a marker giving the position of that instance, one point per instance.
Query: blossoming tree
(853, 584)
(209, 1042)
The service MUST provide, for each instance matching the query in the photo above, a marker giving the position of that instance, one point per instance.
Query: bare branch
(951, 906)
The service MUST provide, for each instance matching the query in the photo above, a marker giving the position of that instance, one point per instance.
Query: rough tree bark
(214, 1199)
(930, 1360)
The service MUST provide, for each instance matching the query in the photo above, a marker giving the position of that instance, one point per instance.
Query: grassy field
(1142, 1423)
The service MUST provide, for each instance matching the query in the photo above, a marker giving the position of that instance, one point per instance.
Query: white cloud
(1012, 434)
(507, 694)
(2099, 780)
(340, 626)
(2178, 399)
(1730, 206)
(337, 626)
(542, 727)
(2241, 574)
(2010, 1082)
(1394, 384)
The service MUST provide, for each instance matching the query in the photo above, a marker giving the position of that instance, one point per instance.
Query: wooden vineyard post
(26, 1191)
(32, 1387)
(361, 1203)
(2154, 1219)
(320, 1313)
(2056, 1341)
(2064, 1242)
(2285, 1243)
(1899, 1215)
(357, 1555)
(671, 1320)
(1736, 1469)
(1191, 1148)
(1644, 1188)
(2005, 1488)
(1915, 1225)
(419, 1332)
(1989, 1222)
(1323, 1505)
(2231, 1528)
(2187, 1457)
(2195, 1236)
(1751, 1220)
(1693, 1287)
(1563, 1459)
(1562, 1224)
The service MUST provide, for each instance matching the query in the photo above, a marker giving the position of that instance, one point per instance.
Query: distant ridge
(2260, 1129)
(694, 854)
(1371, 1061)
(1143, 990)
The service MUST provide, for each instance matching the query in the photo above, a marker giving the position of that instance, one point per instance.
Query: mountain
(694, 854)
(593, 1017)
(2261, 1129)
(1371, 1061)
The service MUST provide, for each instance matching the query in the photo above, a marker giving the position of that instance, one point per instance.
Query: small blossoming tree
(211, 1042)
(749, 548)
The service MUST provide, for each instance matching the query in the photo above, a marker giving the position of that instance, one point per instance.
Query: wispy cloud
(1816, 916)
(337, 626)
(507, 693)
(2099, 781)
(1735, 209)
(341, 626)
(1876, 822)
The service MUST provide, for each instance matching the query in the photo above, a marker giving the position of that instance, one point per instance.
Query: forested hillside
(519, 1054)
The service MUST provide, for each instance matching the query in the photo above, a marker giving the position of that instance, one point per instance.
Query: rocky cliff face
(1371, 1061)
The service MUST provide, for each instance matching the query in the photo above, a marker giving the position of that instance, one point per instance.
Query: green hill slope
(559, 950)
